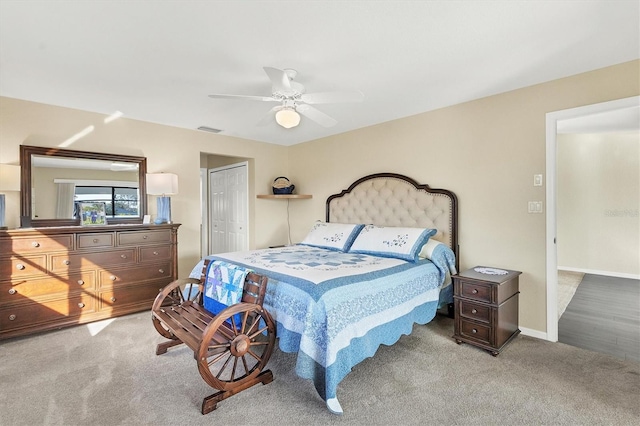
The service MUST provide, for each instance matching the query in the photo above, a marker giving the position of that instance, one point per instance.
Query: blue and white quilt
(335, 309)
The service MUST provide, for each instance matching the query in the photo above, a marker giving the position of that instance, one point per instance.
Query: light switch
(537, 180)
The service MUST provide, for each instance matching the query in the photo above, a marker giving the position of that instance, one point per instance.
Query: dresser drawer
(61, 263)
(144, 237)
(475, 311)
(19, 316)
(475, 331)
(22, 266)
(475, 291)
(95, 240)
(125, 297)
(36, 244)
(155, 254)
(11, 292)
(129, 276)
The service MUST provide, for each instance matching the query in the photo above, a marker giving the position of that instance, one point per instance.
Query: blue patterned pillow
(391, 241)
(333, 236)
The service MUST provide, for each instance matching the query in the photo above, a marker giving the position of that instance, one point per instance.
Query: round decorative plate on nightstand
(491, 271)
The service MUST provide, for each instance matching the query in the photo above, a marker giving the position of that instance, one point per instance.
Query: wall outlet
(535, 207)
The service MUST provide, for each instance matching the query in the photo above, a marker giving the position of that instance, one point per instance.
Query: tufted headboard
(392, 199)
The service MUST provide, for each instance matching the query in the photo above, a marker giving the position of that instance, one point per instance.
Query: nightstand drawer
(475, 331)
(475, 291)
(475, 311)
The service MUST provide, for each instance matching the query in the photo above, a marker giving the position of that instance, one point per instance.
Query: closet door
(237, 189)
(228, 209)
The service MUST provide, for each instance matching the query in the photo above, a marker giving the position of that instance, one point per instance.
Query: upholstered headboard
(391, 199)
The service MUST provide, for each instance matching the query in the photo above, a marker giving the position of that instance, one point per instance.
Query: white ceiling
(157, 61)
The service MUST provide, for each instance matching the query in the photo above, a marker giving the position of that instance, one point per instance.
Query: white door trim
(552, 119)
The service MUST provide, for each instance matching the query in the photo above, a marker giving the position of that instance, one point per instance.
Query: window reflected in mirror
(61, 179)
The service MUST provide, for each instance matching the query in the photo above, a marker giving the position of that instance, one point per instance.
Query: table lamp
(162, 184)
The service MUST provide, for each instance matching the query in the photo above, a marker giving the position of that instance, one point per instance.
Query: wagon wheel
(235, 350)
(173, 295)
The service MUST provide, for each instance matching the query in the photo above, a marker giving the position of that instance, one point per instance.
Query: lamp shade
(287, 118)
(9, 177)
(162, 183)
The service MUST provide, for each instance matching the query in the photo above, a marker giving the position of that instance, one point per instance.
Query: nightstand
(486, 307)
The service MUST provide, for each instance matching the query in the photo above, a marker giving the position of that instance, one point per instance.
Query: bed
(336, 300)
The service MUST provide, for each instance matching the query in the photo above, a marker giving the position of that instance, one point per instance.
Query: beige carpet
(568, 282)
(82, 376)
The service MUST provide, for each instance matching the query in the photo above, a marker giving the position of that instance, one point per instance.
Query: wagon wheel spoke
(224, 366)
(258, 358)
(218, 358)
(244, 363)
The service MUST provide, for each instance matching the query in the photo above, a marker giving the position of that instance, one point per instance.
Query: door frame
(226, 167)
(552, 119)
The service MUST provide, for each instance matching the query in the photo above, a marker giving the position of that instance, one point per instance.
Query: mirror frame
(26, 152)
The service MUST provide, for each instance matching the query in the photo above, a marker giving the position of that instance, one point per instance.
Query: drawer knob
(124, 256)
(12, 291)
(12, 317)
(144, 237)
(161, 271)
(80, 305)
(66, 262)
(474, 291)
(474, 331)
(35, 244)
(95, 240)
(113, 299)
(20, 266)
(155, 253)
(80, 282)
(112, 277)
(474, 311)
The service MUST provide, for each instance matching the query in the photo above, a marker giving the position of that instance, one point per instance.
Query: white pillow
(391, 241)
(333, 236)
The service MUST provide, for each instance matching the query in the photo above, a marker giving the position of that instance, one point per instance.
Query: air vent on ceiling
(209, 129)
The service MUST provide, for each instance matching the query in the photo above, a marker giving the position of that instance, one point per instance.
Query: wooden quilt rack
(232, 347)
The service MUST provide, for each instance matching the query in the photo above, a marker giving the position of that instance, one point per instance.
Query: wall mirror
(54, 182)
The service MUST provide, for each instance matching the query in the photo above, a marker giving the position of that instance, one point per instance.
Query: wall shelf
(283, 196)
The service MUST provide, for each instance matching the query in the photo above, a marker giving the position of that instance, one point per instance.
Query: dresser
(61, 276)
(486, 307)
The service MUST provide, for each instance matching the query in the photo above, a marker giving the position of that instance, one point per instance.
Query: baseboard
(596, 272)
(533, 333)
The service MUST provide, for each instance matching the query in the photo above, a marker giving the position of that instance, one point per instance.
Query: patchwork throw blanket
(223, 286)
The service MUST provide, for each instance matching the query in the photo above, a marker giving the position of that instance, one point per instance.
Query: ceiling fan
(294, 101)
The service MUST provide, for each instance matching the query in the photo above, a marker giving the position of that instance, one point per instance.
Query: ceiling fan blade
(332, 97)
(279, 79)
(269, 117)
(245, 98)
(316, 115)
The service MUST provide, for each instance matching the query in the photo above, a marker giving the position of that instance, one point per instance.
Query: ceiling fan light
(287, 118)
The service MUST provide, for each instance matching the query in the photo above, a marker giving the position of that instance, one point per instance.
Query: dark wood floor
(604, 316)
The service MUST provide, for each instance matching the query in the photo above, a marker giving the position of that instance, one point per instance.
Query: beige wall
(486, 151)
(168, 149)
(598, 194)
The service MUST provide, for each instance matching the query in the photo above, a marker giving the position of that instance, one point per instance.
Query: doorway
(553, 121)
